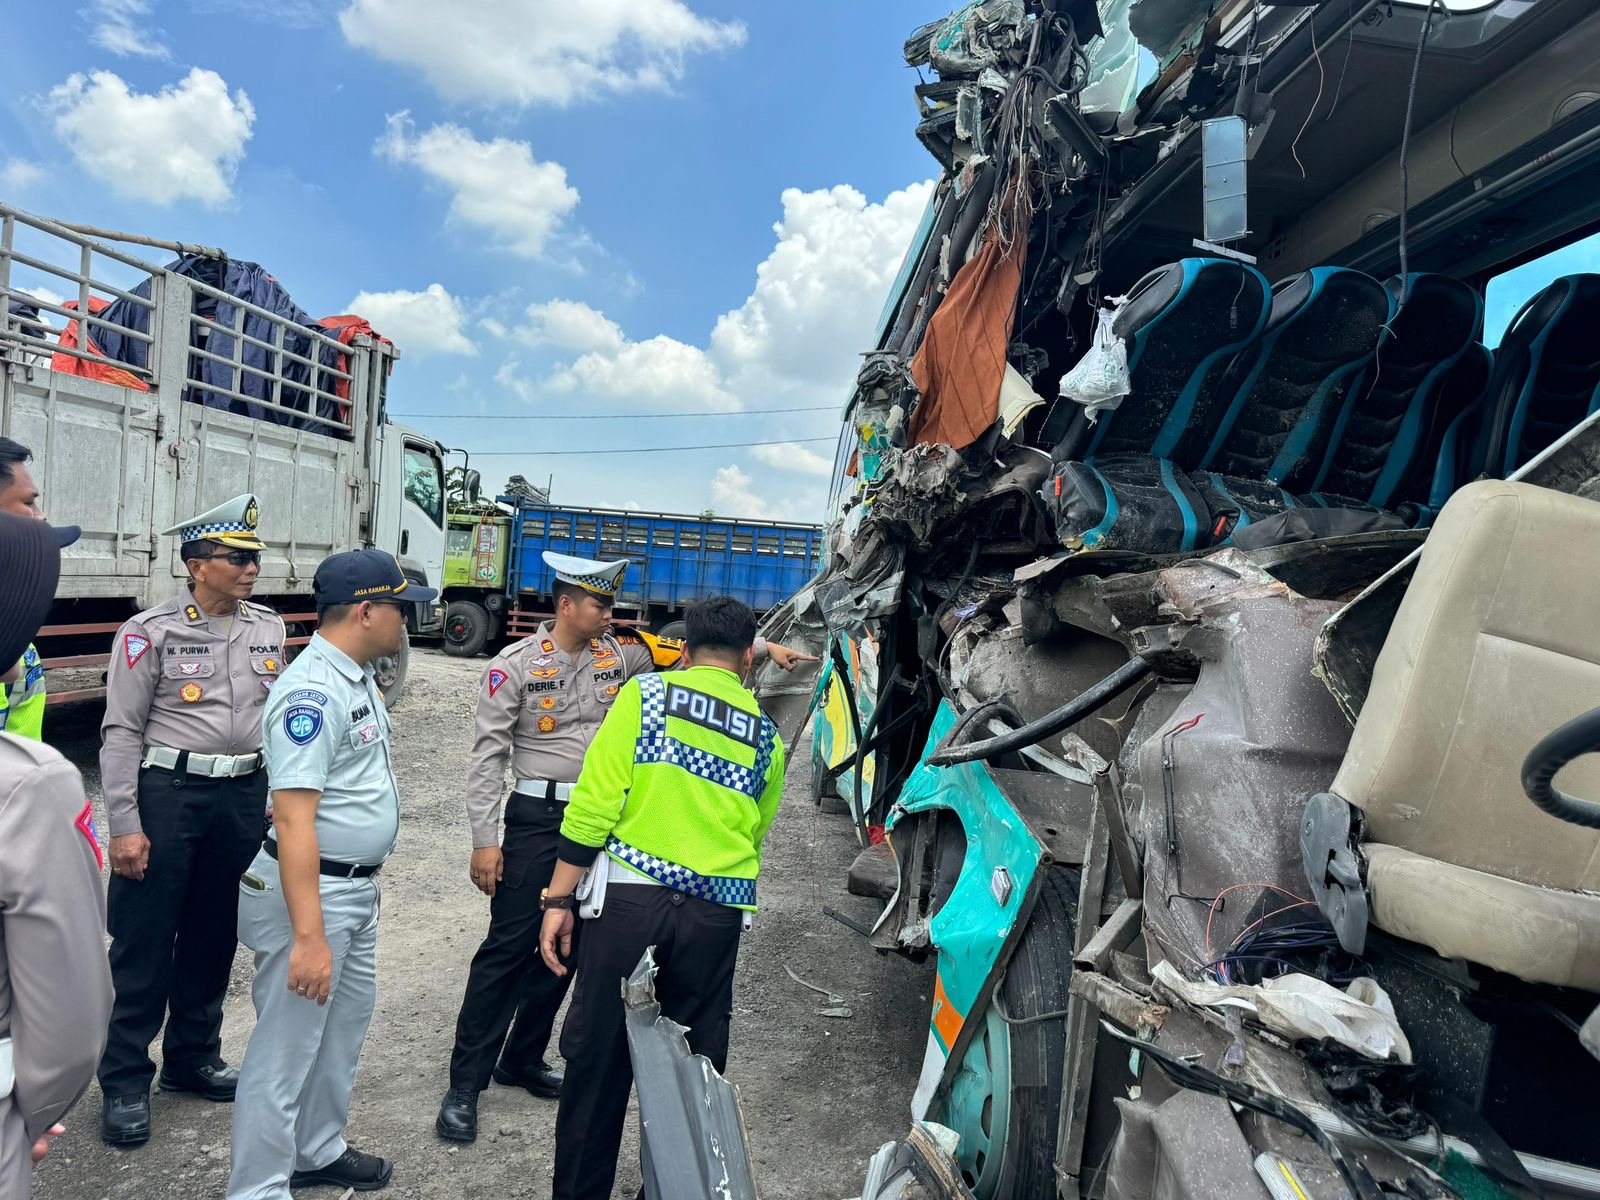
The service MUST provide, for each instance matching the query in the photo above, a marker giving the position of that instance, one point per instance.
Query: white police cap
(601, 578)
(232, 523)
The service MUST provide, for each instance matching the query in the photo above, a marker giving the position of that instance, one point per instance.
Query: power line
(639, 449)
(741, 412)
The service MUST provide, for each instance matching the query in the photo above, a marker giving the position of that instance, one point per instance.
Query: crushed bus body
(1212, 554)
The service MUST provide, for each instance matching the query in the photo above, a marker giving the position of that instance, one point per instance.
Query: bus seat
(1181, 324)
(1288, 389)
(1381, 434)
(1547, 373)
(1427, 832)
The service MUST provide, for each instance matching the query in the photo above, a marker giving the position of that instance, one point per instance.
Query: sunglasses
(237, 558)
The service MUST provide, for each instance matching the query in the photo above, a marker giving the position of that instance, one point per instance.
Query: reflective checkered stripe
(193, 533)
(606, 585)
(655, 746)
(719, 889)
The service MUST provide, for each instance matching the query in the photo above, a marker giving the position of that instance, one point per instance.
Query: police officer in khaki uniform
(55, 989)
(541, 701)
(181, 763)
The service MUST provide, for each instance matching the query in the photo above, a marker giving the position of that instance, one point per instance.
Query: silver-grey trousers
(294, 1086)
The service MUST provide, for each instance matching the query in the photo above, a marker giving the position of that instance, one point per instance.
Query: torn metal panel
(693, 1143)
(920, 1166)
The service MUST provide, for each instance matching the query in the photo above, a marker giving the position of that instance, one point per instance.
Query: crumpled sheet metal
(919, 1166)
(692, 1136)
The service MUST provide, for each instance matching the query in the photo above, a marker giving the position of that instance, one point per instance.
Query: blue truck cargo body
(674, 559)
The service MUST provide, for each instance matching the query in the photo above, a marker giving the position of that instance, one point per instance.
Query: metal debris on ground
(837, 1006)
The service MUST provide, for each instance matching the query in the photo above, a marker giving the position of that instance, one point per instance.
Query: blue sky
(615, 206)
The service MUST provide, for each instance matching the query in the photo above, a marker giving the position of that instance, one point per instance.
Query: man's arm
(300, 737)
(54, 934)
(767, 806)
(602, 788)
(130, 686)
(294, 816)
(500, 696)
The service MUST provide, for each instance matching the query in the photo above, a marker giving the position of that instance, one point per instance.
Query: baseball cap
(67, 534)
(352, 576)
(30, 565)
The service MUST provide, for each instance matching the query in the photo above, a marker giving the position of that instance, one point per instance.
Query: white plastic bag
(1099, 380)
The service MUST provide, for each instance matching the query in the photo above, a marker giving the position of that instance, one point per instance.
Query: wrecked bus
(1208, 598)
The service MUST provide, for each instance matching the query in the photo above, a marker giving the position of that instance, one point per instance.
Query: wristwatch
(547, 901)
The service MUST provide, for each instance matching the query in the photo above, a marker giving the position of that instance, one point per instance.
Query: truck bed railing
(294, 364)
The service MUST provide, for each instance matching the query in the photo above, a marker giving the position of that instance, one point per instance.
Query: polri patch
(134, 646)
(302, 722)
(191, 692)
(496, 678)
(547, 702)
(547, 724)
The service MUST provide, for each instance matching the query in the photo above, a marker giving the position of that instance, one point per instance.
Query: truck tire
(673, 629)
(1006, 1100)
(390, 673)
(466, 628)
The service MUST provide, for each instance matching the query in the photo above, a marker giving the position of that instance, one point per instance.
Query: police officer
(180, 765)
(55, 988)
(22, 696)
(308, 905)
(541, 701)
(677, 793)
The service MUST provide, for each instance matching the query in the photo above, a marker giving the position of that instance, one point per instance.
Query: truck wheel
(673, 629)
(390, 673)
(1005, 1101)
(466, 628)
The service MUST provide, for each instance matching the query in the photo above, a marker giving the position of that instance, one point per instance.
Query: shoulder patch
(496, 678)
(547, 646)
(191, 612)
(309, 695)
(133, 647)
(627, 639)
(85, 825)
(302, 722)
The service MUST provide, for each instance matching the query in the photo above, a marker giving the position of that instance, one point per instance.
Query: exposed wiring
(1031, 1019)
(1405, 145)
(1316, 51)
(1216, 904)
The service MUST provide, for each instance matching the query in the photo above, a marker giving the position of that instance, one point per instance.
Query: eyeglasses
(237, 558)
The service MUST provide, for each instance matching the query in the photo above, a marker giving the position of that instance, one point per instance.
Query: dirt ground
(820, 1094)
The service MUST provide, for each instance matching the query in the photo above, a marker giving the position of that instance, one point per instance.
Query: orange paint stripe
(947, 1019)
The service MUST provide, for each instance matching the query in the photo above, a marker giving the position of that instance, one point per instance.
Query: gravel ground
(819, 1094)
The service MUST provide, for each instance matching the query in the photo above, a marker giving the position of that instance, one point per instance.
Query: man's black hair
(12, 454)
(333, 614)
(199, 548)
(719, 624)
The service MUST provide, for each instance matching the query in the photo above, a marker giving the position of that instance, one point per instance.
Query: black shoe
(352, 1169)
(458, 1115)
(214, 1081)
(125, 1120)
(543, 1081)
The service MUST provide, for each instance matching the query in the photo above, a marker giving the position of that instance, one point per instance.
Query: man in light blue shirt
(308, 905)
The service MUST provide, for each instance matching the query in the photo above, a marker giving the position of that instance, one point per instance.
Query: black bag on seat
(1126, 502)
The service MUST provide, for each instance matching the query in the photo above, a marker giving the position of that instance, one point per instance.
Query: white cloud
(525, 52)
(496, 186)
(573, 326)
(425, 322)
(819, 293)
(510, 377)
(182, 143)
(18, 175)
(122, 27)
(792, 456)
(660, 371)
(731, 495)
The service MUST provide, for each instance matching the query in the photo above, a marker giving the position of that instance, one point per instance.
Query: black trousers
(696, 945)
(508, 986)
(174, 932)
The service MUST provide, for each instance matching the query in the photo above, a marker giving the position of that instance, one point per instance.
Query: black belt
(326, 866)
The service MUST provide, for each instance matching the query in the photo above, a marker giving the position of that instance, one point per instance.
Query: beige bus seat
(1496, 644)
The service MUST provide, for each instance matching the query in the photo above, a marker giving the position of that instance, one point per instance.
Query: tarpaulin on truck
(211, 381)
